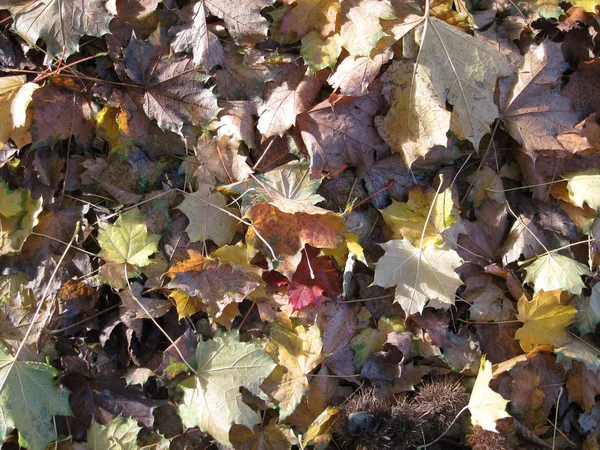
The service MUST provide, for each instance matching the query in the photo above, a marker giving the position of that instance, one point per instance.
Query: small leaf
(584, 187)
(127, 241)
(545, 320)
(485, 405)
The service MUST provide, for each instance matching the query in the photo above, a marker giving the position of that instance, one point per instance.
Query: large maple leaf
(29, 398)
(174, 92)
(553, 271)
(61, 23)
(280, 237)
(339, 133)
(211, 397)
(420, 274)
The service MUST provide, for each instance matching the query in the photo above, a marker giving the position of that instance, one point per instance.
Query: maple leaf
(61, 23)
(320, 430)
(29, 398)
(194, 34)
(320, 15)
(420, 274)
(207, 219)
(211, 398)
(545, 319)
(18, 216)
(297, 350)
(216, 283)
(320, 53)
(361, 28)
(534, 111)
(451, 66)
(287, 234)
(485, 405)
(291, 92)
(339, 132)
(288, 187)
(174, 91)
(119, 434)
(59, 113)
(312, 279)
(15, 95)
(127, 240)
(243, 19)
(588, 316)
(553, 271)
(413, 220)
(583, 187)
(271, 436)
(582, 385)
(354, 75)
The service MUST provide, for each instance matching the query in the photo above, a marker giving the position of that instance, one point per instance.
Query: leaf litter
(299, 224)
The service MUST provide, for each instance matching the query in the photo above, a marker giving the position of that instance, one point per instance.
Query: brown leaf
(583, 386)
(339, 133)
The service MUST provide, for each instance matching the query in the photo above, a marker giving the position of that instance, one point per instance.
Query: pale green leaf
(211, 398)
(118, 434)
(61, 23)
(584, 187)
(485, 405)
(29, 397)
(127, 241)
(419, 274)
(552, 271)
(589, 313)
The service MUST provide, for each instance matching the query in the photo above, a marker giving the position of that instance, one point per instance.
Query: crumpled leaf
(485, 405)
(319, 432)
(420, 275)
(61, 23)
(582, 386)
(211, 397)
(119, 434)
(287, 234)
(29, 398)
(552, 271)
(18, 216)
(545, 319)
(584, 187)
(174, 93)
(534, 111)
(206, 220)
(339, 132)
(288, 187)
(297, 351)
(127, 241)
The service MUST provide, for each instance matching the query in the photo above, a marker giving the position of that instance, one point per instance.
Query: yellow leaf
(485, 405)
(407, 220)
(298, 351)
(544, 319)
(584, 187)
(185, 304)
(15, 96)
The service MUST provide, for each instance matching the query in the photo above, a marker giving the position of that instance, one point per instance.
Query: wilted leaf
(545, 320)
(419, 274)
(552, 271)
(319, 15)
(207, 219)
(339, 132)
(298, 351)
(583, 385)
(211, 397)
(127, 241)
(119, 434)
(29, 398)
(314, 278)
(320, 53)
(61, 23)
(485, 405)
(319, 432)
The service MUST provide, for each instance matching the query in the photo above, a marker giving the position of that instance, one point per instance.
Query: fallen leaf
(272, 436)
(583, 187)
(211, 397)
(485, 405)
(588, 315)
(354, 74)
(19, 215)
(545, 319)
(552, 271)
(420, 274)
(119, 434)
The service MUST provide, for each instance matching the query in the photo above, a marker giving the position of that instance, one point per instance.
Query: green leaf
(584, 187)
(61, 23)
(211, 398)
(29, 397)
(589, 312)
(552, 271)
(18, 215)
(127, 241)
(119, 434)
